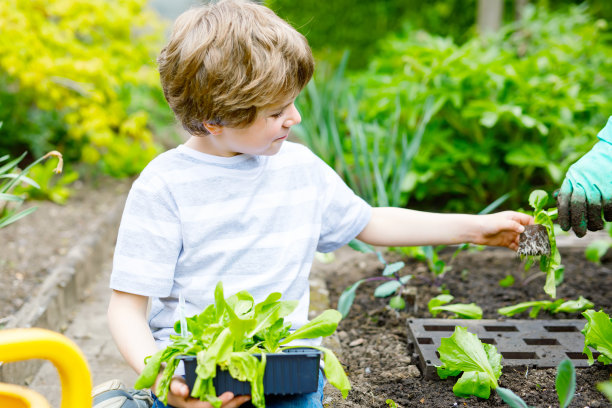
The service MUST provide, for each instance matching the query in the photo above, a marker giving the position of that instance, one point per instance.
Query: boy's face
(262, 137)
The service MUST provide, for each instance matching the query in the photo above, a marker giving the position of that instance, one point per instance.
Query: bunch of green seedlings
(392, 282)
(439, 304)
(550, 264)
(228, 334)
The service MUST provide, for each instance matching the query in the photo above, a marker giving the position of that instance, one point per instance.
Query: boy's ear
(212, 128)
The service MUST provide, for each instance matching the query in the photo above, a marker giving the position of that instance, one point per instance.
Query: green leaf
(596, 249)
(510, 398)
(464, 311)
(538, 199)
(472, 383)
(147, 377)
(392, 268)
(438, 301)
(565, 382)
(463, 351)
(347, 298)
(574, 306)
(387, 288)
(507, 281)
(361, 246)
(397, 302)
(521, 307)
(334, 372)
(606, 389)
(598, 334)
(322, 325)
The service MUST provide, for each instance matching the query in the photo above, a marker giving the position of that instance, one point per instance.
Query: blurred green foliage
(511, 112)
(80, 77)
(335, 26)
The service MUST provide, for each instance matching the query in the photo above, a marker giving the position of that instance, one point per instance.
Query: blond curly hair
(227, 60)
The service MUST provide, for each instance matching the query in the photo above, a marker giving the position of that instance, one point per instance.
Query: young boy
(237, 202)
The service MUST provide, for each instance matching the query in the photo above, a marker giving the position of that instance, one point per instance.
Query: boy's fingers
(179, 388)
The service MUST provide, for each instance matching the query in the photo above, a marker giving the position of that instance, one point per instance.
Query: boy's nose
(294, 117)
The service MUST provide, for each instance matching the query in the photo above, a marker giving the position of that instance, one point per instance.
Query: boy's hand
(502, 229)
(178, 396)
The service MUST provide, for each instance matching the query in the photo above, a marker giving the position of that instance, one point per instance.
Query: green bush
(73, 74)
(512, 112)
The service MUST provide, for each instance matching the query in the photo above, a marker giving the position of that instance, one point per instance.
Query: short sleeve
(148, 242)
(344, 214)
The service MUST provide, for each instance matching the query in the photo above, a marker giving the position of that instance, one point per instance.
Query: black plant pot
(294, 371)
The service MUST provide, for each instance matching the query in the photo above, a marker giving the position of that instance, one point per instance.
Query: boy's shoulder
(295, 149)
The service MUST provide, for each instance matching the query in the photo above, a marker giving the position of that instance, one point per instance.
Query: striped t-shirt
(253, 222)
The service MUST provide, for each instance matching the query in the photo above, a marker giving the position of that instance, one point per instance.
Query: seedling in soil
(559, 305)
(565, 385)
(597, 249)
(393, 283)
(479, 362)
(598, 334)
(438, 304)
(606, 389)
(535, 247)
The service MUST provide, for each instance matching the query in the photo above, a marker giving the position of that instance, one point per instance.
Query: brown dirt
(35, 244)
(380, 357)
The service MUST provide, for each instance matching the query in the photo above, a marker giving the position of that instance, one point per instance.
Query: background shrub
(511, 112)
(80, 77)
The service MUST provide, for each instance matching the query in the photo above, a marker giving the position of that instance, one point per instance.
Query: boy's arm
(127, 319)
(391, 226)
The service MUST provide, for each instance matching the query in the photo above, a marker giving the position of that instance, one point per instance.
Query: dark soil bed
(380, 357)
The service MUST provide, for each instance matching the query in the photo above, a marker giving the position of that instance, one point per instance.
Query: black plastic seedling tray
(522, 343)
(294, 371)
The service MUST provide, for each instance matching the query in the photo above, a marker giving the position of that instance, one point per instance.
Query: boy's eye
(277, 115)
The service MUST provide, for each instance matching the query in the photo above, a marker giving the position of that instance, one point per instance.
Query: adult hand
(178, 396)
(587, 188)
(502, 229)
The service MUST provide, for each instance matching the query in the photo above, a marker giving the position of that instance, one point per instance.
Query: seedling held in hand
(536, 247)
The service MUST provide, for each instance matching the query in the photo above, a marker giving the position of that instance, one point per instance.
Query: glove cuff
(605, 134)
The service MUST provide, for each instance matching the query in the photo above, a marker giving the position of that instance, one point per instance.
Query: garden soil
(35, 244)
(374, 344)
(380, 358)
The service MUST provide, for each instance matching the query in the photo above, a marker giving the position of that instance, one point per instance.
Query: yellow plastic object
(25, 344)
(15, 396)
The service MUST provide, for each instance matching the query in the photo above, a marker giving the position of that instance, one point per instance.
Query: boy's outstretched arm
(127, 319)
(391, 226)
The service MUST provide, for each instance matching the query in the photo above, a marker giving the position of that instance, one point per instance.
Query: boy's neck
(205, 144)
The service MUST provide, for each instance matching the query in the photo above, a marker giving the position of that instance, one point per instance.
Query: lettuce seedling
(479, 362)
(549, 264)
(565, 384)
(227, 334)
(393, 283)
(598, 334)
(606, 388)
(438, 304)
(559, 305)
(598, 248)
